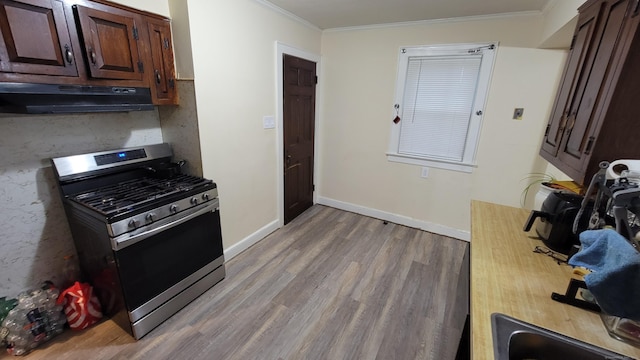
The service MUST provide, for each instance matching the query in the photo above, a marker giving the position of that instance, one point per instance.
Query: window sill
(467, 168)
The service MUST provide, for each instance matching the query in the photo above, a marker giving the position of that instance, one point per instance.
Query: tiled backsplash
(180, 128)
(34, 235)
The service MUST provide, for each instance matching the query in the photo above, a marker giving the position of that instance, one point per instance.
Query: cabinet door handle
(563, 123)
(158, 77)
(68, 55)
(171, 83)
(571, 121)
(92, 56)
(587, 150)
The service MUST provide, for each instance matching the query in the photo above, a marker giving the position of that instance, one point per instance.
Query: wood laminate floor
(329, 285)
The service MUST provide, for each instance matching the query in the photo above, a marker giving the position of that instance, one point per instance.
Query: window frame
(468, 162)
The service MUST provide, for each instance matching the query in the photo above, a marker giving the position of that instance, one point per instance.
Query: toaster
(556, 217)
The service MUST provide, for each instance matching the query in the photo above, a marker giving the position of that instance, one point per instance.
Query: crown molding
(286, 13)
(306, 23)
(438, 21)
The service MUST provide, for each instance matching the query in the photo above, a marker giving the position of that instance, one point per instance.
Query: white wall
(360, 71)
(508, 149)
(234, 46)
(181, 32)
(559, 21)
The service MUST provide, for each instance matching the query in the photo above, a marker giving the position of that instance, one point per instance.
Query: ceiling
(327, 14)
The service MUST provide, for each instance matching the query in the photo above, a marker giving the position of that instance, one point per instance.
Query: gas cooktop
(134, 194)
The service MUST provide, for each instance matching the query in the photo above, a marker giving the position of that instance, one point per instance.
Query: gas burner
(128, 195)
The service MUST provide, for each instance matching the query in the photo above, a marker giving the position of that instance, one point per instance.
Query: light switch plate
(268, 122)
(425, 172)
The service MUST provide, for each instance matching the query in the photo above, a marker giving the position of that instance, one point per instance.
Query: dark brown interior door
(298, 126)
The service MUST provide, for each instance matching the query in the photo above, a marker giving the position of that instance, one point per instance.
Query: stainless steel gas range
(148, 236)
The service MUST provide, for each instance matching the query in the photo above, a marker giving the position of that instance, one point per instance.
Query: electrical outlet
(425, 172)
(517, 113)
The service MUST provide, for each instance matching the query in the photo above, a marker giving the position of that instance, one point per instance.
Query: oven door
(163, 264)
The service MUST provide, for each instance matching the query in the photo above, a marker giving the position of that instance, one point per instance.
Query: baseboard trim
(397, 219)
(246, 243)
(263, 232)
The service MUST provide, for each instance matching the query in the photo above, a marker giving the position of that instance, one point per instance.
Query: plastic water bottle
(36, 319)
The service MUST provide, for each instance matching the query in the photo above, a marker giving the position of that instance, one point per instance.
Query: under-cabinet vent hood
(64, 99)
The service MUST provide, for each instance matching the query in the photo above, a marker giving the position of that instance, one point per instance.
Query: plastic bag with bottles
(36, 319)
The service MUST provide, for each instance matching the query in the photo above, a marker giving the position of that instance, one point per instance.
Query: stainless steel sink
(514, 339)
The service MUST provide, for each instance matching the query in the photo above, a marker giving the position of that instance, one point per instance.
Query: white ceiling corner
(330, 14)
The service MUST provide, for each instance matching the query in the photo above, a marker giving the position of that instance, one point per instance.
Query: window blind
(437, 106)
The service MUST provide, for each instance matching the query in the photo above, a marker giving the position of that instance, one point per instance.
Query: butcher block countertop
(508, 277)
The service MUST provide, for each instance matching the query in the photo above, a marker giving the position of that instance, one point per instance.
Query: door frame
(281, 50)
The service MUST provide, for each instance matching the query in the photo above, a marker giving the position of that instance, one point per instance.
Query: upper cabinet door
(163, 72)
(110, 43)
(35, 38)
(580, 60)
(592, 84)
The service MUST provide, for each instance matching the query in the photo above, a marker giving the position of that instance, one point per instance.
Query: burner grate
(132, 194)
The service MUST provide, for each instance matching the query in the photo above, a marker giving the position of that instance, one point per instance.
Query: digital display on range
(112, 158)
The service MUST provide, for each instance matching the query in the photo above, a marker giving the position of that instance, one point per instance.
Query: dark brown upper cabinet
(110, 42)
(35, 38)
(163, 69)
(592, 118)
(86, 42)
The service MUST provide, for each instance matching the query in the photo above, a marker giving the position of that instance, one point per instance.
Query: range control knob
(194, 201)
(150, 217)
(174, 208)
(205, 197)
(133, 223)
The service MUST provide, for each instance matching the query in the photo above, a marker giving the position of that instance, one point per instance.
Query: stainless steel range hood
(64, 99)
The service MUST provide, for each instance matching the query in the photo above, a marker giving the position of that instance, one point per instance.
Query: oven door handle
(124, 240)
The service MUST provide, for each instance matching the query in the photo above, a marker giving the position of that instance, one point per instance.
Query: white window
(440, 96)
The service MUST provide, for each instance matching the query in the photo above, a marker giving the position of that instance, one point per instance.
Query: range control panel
(120, 156)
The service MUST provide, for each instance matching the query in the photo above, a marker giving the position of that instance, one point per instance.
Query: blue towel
(615, 277)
